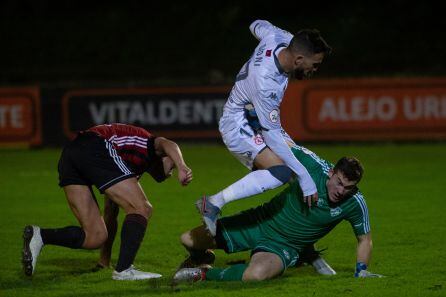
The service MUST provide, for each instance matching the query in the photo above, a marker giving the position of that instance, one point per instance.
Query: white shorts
(241, 140)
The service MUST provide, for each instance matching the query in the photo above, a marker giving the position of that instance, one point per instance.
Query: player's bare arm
(364, 249)
(166, 147)
(279, 146)
(364, 252)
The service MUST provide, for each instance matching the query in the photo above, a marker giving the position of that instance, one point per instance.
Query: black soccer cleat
(208, 258)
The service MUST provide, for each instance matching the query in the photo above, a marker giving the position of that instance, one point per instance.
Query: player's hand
(361, 271)
(309, 189)
(311, 199)
(184, 175)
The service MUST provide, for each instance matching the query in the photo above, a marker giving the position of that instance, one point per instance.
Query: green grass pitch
(404, 186)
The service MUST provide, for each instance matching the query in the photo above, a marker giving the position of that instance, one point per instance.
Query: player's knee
(257, 273)
(143, 208)
(186, 239)
(95, 238)
(282, 172)
(146, 209)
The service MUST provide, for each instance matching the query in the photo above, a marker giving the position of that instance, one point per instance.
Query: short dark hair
(350, 167)
(309, 42)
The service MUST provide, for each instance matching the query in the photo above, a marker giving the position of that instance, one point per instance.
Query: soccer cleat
(32, 245)
(190, 275)
(209, 213)
(365, 273)
(361, 271)
(132, 273)
(208, 258)
(322, 267)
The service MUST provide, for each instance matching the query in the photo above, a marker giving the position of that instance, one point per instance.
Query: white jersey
(262, 82)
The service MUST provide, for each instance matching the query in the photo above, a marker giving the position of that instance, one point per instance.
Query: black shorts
(91, 160)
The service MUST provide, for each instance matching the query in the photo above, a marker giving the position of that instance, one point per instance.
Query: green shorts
(241, 232)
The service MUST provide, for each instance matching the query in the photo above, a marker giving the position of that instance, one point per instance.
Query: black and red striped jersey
(134, 145)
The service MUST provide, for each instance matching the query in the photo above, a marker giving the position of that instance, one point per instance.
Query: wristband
(359, 267)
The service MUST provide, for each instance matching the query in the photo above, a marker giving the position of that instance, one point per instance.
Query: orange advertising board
(365, 109)
(20, 116)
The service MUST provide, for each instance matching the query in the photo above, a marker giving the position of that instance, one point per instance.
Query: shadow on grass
(56, 271)
(71, 266)
(60, 270)
(164, 286)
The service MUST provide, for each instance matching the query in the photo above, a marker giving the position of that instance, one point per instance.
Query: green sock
(232, 273)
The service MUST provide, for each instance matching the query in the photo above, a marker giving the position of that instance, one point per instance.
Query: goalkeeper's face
(339, 187)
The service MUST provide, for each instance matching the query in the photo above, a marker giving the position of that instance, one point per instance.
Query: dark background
(59, 43)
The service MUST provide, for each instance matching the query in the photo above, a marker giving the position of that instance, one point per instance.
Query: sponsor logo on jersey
(274, 115)
(272, 96)
(321, 202)
(258, 139)
(335, 211)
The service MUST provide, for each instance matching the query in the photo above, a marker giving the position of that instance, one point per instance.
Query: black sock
(71, 236)
(132, 234)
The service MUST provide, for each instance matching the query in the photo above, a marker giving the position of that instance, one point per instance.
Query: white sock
(253, 183)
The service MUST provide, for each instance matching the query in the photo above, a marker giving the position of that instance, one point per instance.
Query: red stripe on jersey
(131, 144)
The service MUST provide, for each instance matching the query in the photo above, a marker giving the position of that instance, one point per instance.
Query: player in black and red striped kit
(112, 158)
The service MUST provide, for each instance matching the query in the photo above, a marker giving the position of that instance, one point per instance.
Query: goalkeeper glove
(253, 120)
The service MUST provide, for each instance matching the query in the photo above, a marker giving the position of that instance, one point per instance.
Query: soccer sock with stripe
(71, 236)
(255, 182)
(132, 234)
(232, 273)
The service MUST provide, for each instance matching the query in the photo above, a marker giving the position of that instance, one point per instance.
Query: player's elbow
(254, 25)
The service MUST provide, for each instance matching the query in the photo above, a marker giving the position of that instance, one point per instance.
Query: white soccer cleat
(209, 214)
(32, 245)
(190, 275)
(132, 273)
(322, 267)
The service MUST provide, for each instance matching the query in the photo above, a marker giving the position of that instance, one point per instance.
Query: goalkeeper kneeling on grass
(280, 232)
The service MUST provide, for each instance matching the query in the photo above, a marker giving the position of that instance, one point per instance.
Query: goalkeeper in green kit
(279, 232)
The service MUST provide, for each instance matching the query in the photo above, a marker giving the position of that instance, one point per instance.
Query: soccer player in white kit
(250, 124)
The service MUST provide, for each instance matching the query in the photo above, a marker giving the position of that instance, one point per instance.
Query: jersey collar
(276, 60)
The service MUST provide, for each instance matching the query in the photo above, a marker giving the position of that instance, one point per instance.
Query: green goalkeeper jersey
(288, 220)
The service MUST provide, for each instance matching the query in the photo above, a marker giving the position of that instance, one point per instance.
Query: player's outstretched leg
(209, 213)
(32, 245)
